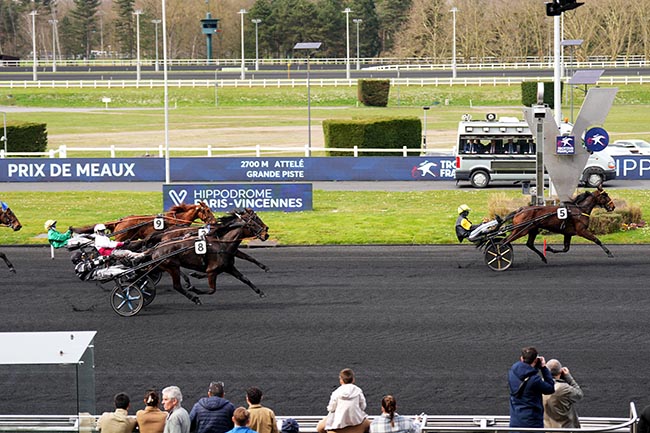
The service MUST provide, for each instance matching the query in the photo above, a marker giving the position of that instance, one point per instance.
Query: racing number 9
(158, 223)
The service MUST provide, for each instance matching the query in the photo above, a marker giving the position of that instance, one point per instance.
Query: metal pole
(358, 21)
(156, 22)
(35, 61)
(166, 87)
(453, 59)
(557, 79)
(347, 42)
(101, 32)
(308, 110)
(4, 137)
(424, 133)
(216, 86)
(256, 21)
(137, 14)
(243, 68)
(53, 22)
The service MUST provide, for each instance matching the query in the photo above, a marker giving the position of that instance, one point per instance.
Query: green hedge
(373, 93)
(388, 133)
(529, 93)
(26, 137)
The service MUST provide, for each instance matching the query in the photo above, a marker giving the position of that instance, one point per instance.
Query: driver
(56, 238)
(465, 228)
(107, 247)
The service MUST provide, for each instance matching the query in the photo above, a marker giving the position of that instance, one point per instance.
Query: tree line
(486, 30)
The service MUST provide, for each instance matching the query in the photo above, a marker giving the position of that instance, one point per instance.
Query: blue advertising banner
(287, 197)
(632, 167)
(86, 170)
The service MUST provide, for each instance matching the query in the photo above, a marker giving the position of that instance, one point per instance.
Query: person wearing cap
(463, 225)
(262, 418)
(212, 414)
(290, 425)
(106, 247)
(56, 238)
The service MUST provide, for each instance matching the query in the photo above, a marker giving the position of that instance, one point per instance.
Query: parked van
(504, 150)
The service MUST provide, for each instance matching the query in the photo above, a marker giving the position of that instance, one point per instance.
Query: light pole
(53, 23)
(4, 137)
(424, 133)
(166, 94)
(101, 32)
(137, 14)
(156, 22)
(243, 68)
(347, 42)
(35, 62)
(453, 58)
(216, 87)
(358, 21)
(256, 21)
(310, 47)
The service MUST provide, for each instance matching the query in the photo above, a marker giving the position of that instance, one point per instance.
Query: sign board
(565, 145)
(225, 197)
(596, 139)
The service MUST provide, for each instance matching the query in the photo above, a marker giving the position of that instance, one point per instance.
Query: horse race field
(430, 324)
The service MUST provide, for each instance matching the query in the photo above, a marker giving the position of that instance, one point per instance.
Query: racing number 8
(562, 213)
(200, 247)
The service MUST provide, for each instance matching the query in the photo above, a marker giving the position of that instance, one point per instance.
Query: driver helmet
(100, 228)
(463, 208)
(50, 224)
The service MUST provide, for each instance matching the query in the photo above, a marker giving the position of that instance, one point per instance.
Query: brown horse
(135, 227)
(530, 220)
(220, 253)
(8, 219)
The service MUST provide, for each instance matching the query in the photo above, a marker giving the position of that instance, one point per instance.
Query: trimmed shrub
(529, 93)
(373, 93)
(390, 133)
(26, 137)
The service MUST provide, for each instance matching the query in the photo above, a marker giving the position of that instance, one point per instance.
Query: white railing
(300, 82)
(430, 423)
(209, 151)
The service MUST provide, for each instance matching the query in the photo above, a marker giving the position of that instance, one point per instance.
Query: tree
(427, 31)
(82, 27)
(125, 27)
(392, 15)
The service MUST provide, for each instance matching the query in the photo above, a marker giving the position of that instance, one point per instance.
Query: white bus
(504, 150)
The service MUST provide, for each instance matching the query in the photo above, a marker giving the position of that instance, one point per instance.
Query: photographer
(529, 379)
(559, 408)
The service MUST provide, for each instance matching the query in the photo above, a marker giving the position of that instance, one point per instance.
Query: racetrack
(430, 324)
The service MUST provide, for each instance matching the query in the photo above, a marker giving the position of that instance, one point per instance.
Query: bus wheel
(480, 179)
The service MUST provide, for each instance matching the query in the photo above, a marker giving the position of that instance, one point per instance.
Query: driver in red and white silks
(107, 247)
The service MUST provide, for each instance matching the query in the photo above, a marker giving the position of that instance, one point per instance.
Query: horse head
(7, 217)
(204, 213)
(253, 224)
(603, 199)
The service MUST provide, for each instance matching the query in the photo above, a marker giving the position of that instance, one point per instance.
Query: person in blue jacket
(528, 380)
(212, 414)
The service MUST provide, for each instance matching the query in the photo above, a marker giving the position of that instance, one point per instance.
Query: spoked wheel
(155, 275)
(146, 285)
(498, 256)
(126, 300)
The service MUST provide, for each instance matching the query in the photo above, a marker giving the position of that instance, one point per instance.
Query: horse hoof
(266, 268)
(611, 256)
(262, 295)
(197, 300)
(13, 270)
(544, 260)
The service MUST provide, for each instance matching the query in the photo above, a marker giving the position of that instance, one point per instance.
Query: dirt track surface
(430, 324)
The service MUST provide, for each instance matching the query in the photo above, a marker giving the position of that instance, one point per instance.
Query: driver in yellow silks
(465, 228)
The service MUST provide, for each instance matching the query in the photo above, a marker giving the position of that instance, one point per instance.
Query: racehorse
(530, 220)
(8, 219)
(140, 226)
(183, 232)
(221, 249)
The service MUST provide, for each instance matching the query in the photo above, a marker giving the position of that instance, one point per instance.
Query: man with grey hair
(559, 407)
(178, 420)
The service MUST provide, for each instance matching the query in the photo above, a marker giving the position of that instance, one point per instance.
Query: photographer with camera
(559, 407)
(529, 379)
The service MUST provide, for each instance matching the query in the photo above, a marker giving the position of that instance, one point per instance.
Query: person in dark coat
(212, 414)
(529, 379)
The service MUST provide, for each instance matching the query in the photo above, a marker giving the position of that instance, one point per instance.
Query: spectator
(290, 425)
(241, 417)
(178, 421)
(118, 421)
(56, 238)
(212, 414)
(262, 418)
(151, 419)
(559, 407)
(390, 421)
(346, 407)
(527, 387)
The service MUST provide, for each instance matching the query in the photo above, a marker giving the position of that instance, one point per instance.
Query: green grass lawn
(360, 217)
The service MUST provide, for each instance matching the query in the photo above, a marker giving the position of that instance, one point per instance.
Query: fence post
(112, 151)
(355, 153)
(405, 152)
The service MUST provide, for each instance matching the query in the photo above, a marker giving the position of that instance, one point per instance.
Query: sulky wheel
(148, 288)
(126, 300)
(498, 256)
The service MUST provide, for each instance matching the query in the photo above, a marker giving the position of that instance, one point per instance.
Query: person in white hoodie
(346, 408)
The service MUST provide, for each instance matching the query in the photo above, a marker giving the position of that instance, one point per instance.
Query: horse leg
(175, 273)
(590, 236)
(191, 287)
(235, 273)
(244, 256)
(9, 264)
(530, 243)
(567, 245)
